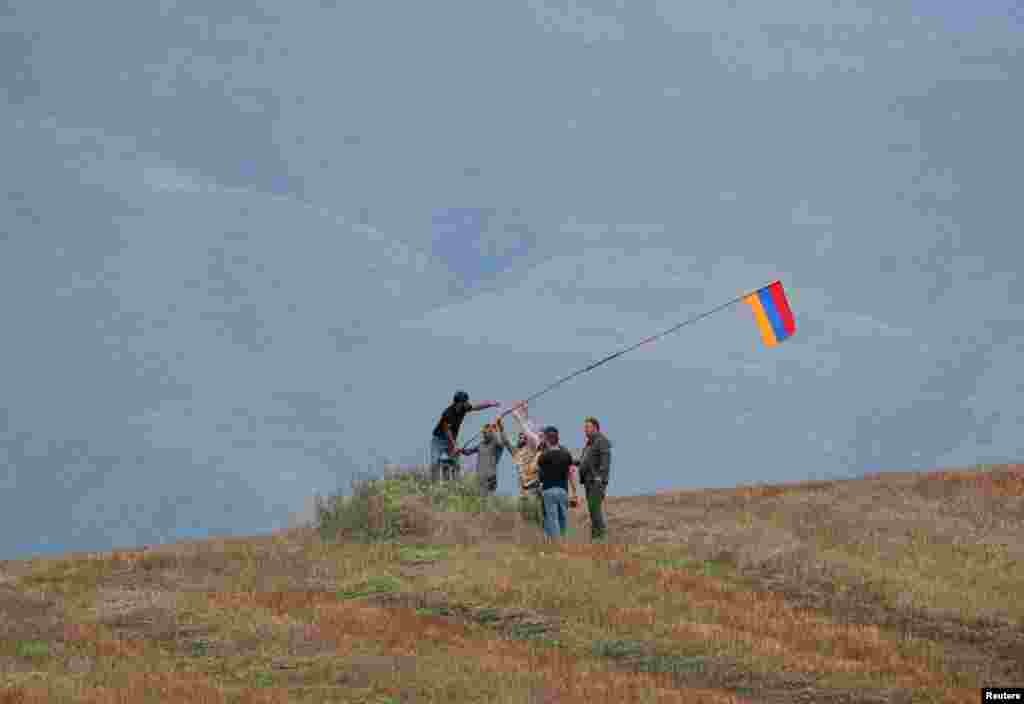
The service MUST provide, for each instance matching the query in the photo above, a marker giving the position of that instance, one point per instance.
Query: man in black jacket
(595, 466)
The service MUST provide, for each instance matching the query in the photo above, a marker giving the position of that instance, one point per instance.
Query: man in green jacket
(594, 470)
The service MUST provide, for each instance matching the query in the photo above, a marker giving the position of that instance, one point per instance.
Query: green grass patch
(199, 648)
(487, 615)
(374, 585)
(421, 553)
(32, 649)
(535, 632)
(617, 649)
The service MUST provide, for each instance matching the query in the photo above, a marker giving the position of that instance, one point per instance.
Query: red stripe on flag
(779, 297)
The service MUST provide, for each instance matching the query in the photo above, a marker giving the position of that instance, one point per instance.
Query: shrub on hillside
(400, 503)
(365, 514)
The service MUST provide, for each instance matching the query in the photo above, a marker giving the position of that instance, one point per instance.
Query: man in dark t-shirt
(554, 466)
(443, 450)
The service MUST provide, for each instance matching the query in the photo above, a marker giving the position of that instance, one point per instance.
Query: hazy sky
(247, 248)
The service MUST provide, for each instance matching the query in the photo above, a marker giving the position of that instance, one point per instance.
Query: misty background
(249, 248)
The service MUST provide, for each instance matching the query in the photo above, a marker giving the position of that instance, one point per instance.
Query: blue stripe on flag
(774, 316)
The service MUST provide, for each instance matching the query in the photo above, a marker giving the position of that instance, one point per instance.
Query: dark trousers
(531, 507)
(447, 471)
(595, 506)
(488, 484)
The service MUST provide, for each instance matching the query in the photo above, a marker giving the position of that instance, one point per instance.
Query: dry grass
(941, 542)
(1003, 481)
(803, 640)
(714, 613)
(401, 631)
(865, 590)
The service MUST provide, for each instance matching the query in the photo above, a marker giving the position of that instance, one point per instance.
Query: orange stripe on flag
(765, 325)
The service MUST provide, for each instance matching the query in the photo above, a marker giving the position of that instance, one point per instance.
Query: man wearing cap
(443, 450)
(527, 455)
(554, 467)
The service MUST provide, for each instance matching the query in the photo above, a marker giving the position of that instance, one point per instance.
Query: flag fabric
(773, 314)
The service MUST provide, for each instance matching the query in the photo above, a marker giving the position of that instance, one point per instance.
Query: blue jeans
(438, 449)
(556, 512)
(440, 459)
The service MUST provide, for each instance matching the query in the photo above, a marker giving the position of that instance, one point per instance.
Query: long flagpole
(643, 342)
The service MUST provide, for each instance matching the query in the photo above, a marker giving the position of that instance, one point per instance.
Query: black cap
(461, 397)
(550, 429)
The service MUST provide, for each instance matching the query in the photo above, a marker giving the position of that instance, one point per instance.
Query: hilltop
(890, 588)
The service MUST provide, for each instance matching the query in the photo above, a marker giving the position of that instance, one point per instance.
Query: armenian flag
(773, 314)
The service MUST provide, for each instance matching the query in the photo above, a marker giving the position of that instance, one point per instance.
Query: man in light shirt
(531, 443)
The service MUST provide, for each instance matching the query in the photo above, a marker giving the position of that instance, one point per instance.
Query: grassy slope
(897, 588)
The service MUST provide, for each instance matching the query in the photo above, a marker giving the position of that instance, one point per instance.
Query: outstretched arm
(504, 438)
(532, 436)
(484, 405)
